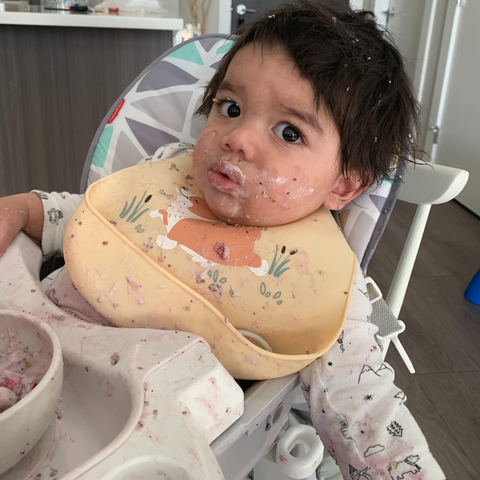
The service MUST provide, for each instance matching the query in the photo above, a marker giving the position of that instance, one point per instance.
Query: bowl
(36, 347)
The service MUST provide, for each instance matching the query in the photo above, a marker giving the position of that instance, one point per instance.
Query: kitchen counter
(58, 81)
(38, 16)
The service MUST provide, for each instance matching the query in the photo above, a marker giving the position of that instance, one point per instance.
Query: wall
(417, 28)
(427, 61)
(455, 103)
(172, 7)
(219, 15)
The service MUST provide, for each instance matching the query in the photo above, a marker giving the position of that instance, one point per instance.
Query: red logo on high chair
(115, 112)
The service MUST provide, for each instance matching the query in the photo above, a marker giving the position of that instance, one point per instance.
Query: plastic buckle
(375, 295)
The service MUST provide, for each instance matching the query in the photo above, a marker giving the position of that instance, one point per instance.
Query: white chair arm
(425, 185)
(432, 184)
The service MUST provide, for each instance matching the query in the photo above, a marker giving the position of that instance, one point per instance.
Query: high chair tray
(142, 409)
(134, 401)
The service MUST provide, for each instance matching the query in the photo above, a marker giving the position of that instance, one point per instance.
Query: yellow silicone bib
(145, 250)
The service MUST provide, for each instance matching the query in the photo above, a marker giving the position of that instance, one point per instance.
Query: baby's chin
(241, 218)
(236, 211)
(223, 206)
(250, 220)
(228, 215)
(230, 212)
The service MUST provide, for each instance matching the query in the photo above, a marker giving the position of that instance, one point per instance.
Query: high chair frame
(419, 184)
(266, 404)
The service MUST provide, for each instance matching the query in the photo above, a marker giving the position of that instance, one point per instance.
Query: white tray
(135, 402)
(98, 435)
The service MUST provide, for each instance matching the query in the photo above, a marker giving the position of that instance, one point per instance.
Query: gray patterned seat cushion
(157, 108)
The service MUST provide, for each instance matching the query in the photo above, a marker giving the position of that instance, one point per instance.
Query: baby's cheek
(280, 195)
(197, 172)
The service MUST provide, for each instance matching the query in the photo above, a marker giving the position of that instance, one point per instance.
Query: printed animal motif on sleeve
(54, 216)
(405, 468)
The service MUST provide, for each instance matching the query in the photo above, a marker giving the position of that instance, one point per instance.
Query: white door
(456, 101)
(406, 21)
(403, 19)
(440, 41)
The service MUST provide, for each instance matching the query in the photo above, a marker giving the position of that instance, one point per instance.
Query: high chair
(129, 407)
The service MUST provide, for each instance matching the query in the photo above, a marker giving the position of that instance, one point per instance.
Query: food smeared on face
(267, 155)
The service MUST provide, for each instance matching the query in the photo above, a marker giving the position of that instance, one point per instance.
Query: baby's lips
(222, 182)
(232, 171)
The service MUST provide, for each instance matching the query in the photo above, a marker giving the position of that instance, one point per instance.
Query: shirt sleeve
(357, 410)
(57, 210)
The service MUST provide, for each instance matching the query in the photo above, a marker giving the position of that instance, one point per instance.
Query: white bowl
(23, 424)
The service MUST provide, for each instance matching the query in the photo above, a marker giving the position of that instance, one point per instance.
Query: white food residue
(135, 289)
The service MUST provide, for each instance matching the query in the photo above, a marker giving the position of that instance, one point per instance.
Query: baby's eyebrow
(227, 85)
(305, 117)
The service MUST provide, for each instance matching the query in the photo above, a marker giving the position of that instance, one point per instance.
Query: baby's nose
(244, 141)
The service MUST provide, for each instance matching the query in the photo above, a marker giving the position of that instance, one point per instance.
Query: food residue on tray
(21, 369)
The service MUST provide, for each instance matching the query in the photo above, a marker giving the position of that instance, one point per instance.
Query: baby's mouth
(226, 177)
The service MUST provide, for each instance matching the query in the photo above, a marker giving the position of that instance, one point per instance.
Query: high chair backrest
(158, 108)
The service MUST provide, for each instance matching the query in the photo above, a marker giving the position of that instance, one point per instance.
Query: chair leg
(399, 286)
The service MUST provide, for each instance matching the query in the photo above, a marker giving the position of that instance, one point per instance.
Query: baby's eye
(288, 132)
(229, 109)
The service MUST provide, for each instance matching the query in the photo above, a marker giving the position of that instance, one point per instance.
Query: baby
(308, 108)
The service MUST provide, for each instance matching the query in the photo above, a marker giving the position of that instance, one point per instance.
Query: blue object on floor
(472, 293)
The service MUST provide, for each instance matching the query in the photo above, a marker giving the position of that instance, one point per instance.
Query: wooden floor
(443, 332)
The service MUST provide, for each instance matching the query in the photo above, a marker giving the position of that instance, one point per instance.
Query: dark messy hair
(356, 72)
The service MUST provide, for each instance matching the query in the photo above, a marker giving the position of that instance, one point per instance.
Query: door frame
(445, 57)
(224, 16)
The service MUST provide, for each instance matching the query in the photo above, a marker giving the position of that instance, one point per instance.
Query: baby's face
(266, 156)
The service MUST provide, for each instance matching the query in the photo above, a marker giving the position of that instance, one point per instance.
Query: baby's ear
(344, 192)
